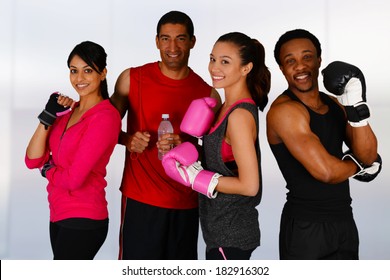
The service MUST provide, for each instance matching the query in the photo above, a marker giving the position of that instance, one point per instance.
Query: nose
(300, 64)
(212, 67)
(80, 76)
(172, 45)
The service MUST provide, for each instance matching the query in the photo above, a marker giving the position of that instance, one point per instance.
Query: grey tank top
(229, 220)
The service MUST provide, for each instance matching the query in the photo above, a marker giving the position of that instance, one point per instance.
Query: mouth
(302, 77)
(172, 55)
(81, 86)
(217, 78)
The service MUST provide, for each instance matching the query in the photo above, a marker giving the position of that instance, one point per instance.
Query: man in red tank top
(159, 216)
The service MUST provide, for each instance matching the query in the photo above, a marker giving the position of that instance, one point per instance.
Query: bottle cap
(165, 116)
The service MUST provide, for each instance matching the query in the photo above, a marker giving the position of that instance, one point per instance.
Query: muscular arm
(120, 99)
(363, 143)
(241, 134)
(288, 122)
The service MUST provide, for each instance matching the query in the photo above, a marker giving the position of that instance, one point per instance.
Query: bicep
(292, 127)
(120, 97)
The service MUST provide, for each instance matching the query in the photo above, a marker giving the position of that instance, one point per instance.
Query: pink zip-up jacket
(76, 187)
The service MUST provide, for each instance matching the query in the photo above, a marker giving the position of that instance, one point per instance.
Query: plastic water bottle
(164, 128)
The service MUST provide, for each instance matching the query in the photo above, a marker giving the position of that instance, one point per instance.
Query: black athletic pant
(154, 233)
(308, 240)
(76, 244)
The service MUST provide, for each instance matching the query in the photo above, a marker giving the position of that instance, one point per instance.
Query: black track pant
(154, 233)
(308, 240)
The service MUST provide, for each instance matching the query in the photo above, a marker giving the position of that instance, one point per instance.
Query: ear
(193, 41)
(157, 42)
(103, 74)
(246, 69)
(281, 69)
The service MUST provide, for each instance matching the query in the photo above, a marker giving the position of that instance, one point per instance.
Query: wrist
(123, 138)
(358, 114)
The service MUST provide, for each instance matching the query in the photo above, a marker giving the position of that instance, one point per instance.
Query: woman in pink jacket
(72, 146)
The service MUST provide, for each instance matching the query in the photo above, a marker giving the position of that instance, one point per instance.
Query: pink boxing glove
(199, 117)
(177, 160)
(180, 164)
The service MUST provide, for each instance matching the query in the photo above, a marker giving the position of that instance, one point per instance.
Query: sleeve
(36, 162)
(96, 145)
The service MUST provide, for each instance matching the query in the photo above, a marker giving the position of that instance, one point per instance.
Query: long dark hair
(259, 78)
(95, 56)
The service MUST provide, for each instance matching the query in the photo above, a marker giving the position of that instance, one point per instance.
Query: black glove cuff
(358, 112)
(46, 118)
(45, 168)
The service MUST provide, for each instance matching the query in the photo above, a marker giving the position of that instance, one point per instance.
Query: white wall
(37, 36)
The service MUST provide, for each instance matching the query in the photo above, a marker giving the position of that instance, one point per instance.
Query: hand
(347, 82)
(137, 142)
(365, 173)
(167, 142)
(52, 110)
(49, 164)
(67, 102)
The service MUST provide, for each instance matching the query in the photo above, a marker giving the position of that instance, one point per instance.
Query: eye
(212, 59)
(73, 71)
(224, 61)
(88, 70)
(290, 61)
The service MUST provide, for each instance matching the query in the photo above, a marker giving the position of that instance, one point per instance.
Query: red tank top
(151, 95)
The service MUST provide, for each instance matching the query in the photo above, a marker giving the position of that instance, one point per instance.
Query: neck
(232, 95)
(88, 102)
(173, 73)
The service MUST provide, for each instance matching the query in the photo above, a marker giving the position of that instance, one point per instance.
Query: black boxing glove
(365, 173)
(347, 82)
(52, 110)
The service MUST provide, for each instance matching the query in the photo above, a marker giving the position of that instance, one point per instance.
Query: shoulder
(194, 77)
(240, 115)
(283, 104)
(243, 114)
(285, 113)
(106, 110)
(124, 77)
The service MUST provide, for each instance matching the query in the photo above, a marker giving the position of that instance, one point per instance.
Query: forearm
(235, 185)
(37, 145)
(123, 138)
(363, 143)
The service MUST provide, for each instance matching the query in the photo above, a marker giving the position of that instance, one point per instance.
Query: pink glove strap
(206, 182)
